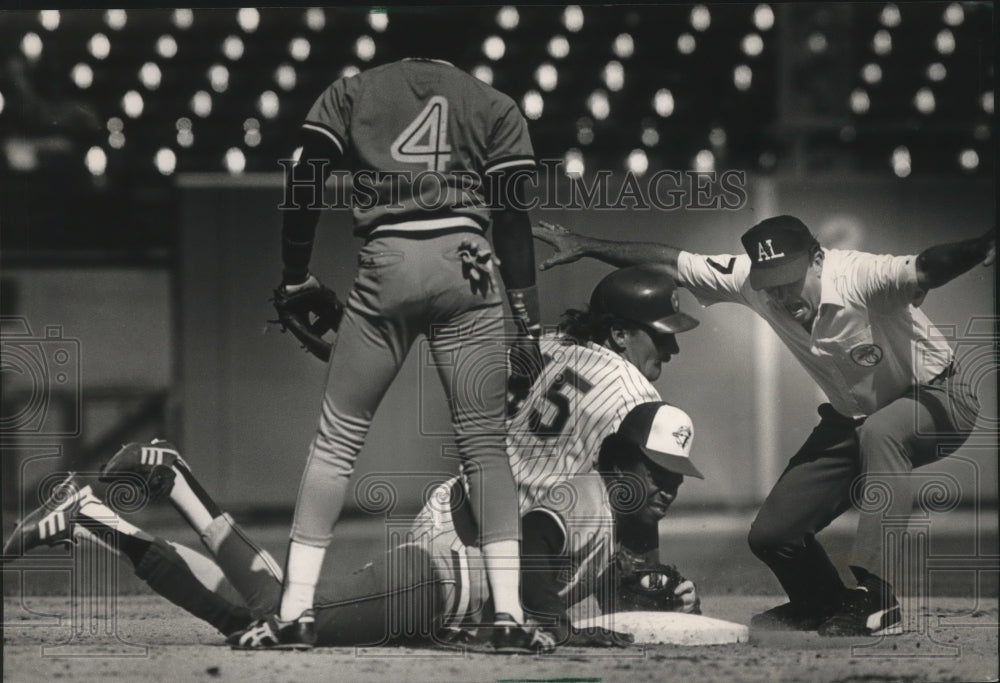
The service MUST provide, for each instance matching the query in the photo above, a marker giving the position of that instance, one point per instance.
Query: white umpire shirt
(869, 341)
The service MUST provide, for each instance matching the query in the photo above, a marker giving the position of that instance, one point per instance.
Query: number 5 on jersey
(425, 139)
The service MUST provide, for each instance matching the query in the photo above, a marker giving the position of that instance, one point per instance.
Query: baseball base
(670, 628)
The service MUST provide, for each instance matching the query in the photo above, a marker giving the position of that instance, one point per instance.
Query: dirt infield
(957, 641)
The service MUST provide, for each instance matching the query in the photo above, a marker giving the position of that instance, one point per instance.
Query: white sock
(503, 569)
(301, 576)
(190, 505)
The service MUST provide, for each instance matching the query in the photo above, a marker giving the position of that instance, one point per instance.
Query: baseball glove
(648, 586)
(308, 313)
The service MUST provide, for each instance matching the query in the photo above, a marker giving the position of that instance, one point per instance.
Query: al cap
(664, 434)
(779, 251)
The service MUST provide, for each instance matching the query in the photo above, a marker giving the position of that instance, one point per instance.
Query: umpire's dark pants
(866, 463)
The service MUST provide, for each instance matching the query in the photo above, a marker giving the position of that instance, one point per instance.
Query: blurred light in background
(763, 17)
(901, 161)
(547, 77)
(82, 75)
(116, 140)
(614, 76)
(882, 43)
(508, 18)
(704, 161)
(986, 100)
(268, 104)
(297, 154)
(752, 45)
(166, 47)
(663, 102)
(1, 102)
(31, 46)
(871, 73)
(890, 16)
(817, 42)
(315, 19)
(299, 49)
(572, 18)
(364, 48)
(235, 161)
(686, 43)
(201, 103)
(574, 163)
(624, 46)
(115, 125)
(701, 18)
(99, 46)
(954, 15)
(349, 71)
(494, 48)
(637, 162)
(936, 72)
(650, 136)
(232, 47)
(981, 132)
(96, 161)
(598, 105)
(379, 21)
(924, 101)
(558, 47)
(218, 77)
(860, 103)
(132, 104)
(251, 132)
(165, 160)
(185, 136)
(717, 136)
(284, 76)
(183, 18)
(944, 42)
(968, 160)
(585, 130)
(533, 104)
(483, 73)
(248, 18)
(49, 19)
(115, 19)
(742, 77)
(150, 75)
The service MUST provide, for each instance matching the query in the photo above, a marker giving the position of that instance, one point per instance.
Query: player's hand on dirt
(688, 594)
(568, 245)
(478, 262)
(598, 637)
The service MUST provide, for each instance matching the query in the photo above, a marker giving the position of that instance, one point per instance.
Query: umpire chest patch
(867, 355)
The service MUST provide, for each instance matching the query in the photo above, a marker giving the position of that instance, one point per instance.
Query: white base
(670, 628)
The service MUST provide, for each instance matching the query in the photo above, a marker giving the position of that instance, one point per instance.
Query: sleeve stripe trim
(510, 161)
(326, 132)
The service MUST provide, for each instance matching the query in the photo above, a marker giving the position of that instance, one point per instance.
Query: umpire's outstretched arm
(940, 264)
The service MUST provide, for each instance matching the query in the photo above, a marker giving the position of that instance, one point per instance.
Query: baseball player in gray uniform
(896, 397)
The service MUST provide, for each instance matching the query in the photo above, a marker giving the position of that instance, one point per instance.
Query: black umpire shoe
(793, 616)
(865, 611)
(274, 634)
(510, 637)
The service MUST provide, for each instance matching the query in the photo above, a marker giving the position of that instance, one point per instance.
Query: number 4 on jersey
(425, 140)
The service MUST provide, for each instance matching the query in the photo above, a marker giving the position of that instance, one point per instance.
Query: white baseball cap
(664, 433)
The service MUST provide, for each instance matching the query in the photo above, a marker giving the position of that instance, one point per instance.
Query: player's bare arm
(942, 263)
(571, 247)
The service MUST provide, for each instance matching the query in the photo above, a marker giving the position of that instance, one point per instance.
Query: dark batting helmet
(644, 294)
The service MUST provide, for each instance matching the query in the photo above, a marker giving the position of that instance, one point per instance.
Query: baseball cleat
(274, 634)
(865, 612)
(510, 637)
(792, 617)
(52, 523)
(154, 462)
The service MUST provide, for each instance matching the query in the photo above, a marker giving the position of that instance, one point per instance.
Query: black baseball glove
(309, 312)
(649, 586)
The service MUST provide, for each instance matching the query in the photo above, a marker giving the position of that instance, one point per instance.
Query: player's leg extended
(366, 358)
(471, 359)
(813, 490)
(159, 466)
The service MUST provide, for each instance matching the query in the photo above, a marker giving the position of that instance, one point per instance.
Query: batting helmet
(643, 294)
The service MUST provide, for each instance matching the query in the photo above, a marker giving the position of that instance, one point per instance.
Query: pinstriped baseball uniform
(580, 398)
(420, 137)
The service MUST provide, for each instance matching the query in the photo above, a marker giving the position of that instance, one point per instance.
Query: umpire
(896, 398)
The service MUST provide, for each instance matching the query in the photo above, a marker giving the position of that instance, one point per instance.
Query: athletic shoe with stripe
(865, 612)
(510, 637)
(154, 462)
(52, 523)
(274, 634)
(792, 616)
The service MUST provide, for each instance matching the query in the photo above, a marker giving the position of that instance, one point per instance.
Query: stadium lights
(817, 42)
(574, 163)
(637, 162)
(614, 76)
(686, 43)
(717, 136)
(663, 102)
(650, 136)
(248, 18)
(585, 130)
(547, 77)
(150, 75)
(232, 47)
(201, 103)
(968, 159)
(763, 17)
(115, 125)
(96, 161)
(132, 104)
(986, 101)
(115, 19)
(31, 45)
(251, 132)
(924, 101)
(378, 20)
(701, 18)
(99, 46)
(860, 103)
(268, 104)
(871, 73)
(165, 160)
(882, 43)
(299, 49)
(116, 139)
(183, 18)
(954, 15)
(572, 18)
(285, 76)
(752, 45)
(704, 161)
(890, 16)
(533, 104)
(235, 161)
(508, 18)
(944, 42)
(315, 19)
(82, 75)
(483, 73)
(364, 48)
(185, 137)
(494, 48)
(742, 77)
(599, 105)
(166, 47)
(218, 77)
(901, 164)
(936, 72)
(1, 102)
(49, 19)
(624, 46)
(558, 47)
